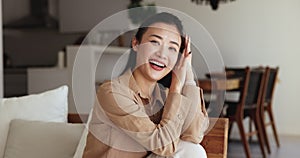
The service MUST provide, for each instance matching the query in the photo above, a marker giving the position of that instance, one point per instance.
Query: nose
(162, 52)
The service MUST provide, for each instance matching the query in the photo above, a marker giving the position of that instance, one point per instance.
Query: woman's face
(157, 51)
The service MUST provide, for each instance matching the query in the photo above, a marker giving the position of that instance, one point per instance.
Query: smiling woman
(137, 117)
(159, 47)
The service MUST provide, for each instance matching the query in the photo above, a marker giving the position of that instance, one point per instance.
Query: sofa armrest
(216, 140)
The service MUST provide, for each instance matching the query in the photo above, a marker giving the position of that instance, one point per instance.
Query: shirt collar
(128, 79)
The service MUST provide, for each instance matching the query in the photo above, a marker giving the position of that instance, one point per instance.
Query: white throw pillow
(48, 106)
(82, 142)
(37, 139)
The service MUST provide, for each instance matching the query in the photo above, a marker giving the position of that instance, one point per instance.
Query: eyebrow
(157, 36)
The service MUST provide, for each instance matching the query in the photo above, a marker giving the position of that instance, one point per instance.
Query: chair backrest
(243, 74)
(270, 82)
(255, 87)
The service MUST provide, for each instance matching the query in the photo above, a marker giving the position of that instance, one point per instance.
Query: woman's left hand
(182, 72)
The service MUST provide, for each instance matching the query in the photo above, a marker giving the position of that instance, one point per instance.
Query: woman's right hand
(180, 71)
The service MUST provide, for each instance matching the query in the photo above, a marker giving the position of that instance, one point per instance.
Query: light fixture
(213, 3)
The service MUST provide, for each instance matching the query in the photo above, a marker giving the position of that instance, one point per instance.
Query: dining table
(218, 84)
(215, 89)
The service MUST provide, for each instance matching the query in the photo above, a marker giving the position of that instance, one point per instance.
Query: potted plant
(138, 12)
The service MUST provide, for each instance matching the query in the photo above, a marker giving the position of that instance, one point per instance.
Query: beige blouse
(126, 123)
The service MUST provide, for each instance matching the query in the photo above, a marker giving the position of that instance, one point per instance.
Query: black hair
(163, 17)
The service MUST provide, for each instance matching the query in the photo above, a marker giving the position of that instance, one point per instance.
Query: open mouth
(156, 63)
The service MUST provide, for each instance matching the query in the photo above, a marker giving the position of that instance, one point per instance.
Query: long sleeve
(197, 121)
(121, 107)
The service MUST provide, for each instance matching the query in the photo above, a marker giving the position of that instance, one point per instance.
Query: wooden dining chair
(247, 105)
(267, 103)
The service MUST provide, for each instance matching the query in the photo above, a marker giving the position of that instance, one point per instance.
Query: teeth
(157, 63)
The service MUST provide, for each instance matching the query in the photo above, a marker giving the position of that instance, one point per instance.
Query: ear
(134, 44)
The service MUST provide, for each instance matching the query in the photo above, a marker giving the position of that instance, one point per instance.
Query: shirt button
(179, 116)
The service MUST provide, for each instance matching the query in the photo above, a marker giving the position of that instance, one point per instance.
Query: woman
(136, 117)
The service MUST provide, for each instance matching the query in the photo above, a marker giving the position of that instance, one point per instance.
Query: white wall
(82, 16)
(254, 32)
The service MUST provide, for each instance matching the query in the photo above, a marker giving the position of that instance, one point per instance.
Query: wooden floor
(290, 148)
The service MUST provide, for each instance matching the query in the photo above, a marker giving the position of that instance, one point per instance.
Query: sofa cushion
(48, 106)
(36, 139)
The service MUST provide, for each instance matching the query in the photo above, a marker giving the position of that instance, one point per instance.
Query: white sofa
(36, 126)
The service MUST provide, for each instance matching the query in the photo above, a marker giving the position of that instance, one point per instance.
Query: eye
(154, 42)
(172, 49)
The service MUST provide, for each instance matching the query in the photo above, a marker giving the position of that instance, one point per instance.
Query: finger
(182, 57)
(188, 47)
(185, 61)
(186, 51)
